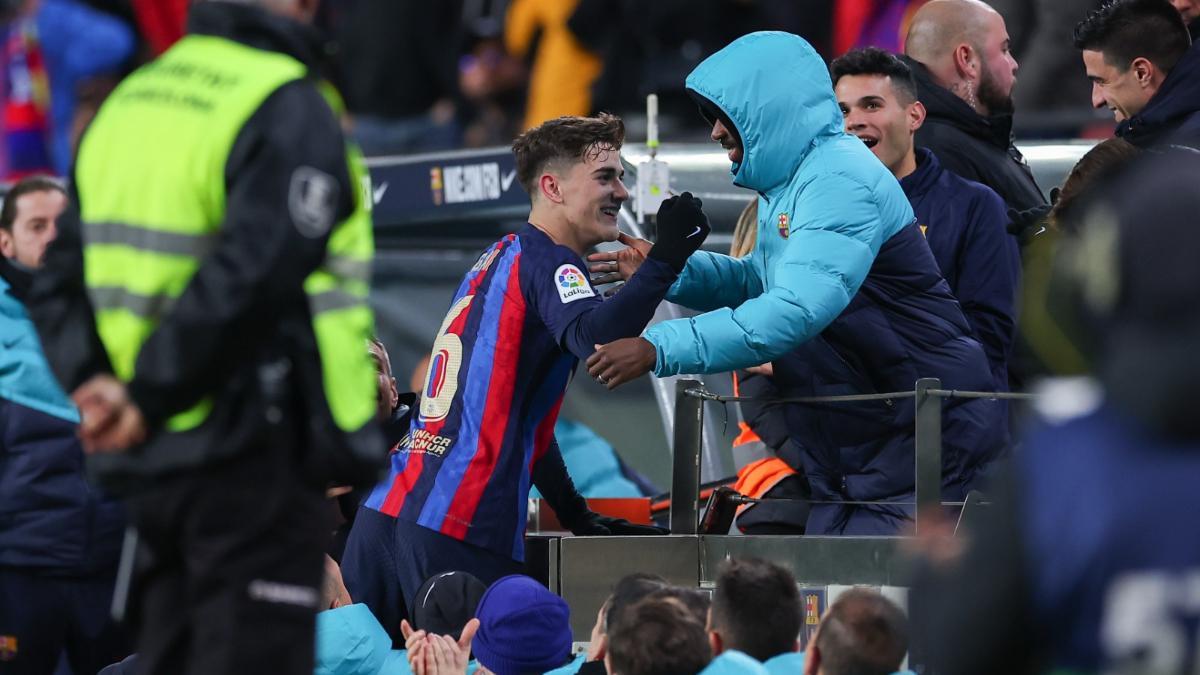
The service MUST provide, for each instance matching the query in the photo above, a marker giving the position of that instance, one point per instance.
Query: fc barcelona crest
(783, 225)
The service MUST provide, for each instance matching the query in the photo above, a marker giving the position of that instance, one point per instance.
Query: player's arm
(825, 262)
(551, 479)
(577, 316)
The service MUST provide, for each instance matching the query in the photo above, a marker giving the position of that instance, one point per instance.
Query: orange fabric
(746, 435)
(560, 81)
(757, 478)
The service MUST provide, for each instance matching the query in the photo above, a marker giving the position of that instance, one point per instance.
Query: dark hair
(696, 600)
(628, 591)
(876, 61)
(863, 633)
(1123, 30)
(660, 636)
(27, 185)
(564, 139)
(1098, 164)
(756, 608)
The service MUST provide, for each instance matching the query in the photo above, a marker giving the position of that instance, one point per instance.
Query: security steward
(207, 306)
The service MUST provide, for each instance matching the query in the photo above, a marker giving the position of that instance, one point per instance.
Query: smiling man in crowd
(1138, 56)
(963, 221)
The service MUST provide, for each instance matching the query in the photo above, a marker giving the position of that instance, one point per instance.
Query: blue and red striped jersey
(496, 380)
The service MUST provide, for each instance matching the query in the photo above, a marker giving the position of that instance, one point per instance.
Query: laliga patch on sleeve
(571, 284)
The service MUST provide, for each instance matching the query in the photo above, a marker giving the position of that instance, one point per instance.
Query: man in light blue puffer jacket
(841, 293)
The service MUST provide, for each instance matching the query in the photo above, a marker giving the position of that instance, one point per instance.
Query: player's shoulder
(545, 265)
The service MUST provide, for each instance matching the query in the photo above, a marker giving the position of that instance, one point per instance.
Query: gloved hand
(682, 228)
(1027, 224)
(592, 524)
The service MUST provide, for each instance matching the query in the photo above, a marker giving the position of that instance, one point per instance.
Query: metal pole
(929, 446)
(685, 459)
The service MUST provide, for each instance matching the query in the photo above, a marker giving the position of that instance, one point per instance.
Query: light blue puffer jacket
(836, 202)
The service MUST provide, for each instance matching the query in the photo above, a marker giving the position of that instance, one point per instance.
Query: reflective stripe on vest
(151, 180)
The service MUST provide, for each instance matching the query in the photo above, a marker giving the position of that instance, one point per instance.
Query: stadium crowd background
(431, 76)
(471, 73)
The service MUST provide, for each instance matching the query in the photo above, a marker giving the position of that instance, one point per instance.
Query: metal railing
(688, 440)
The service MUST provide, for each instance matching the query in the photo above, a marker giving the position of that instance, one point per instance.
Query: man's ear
(1143, 71)
(916, 116)
(8, 245)
(550, 188)
(715, 643)
(966, 61)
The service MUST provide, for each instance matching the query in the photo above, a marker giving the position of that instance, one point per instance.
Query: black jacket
(1172, 116)
(241, 332)
(975, 147)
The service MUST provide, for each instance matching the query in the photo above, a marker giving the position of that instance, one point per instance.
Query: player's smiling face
(592, 195)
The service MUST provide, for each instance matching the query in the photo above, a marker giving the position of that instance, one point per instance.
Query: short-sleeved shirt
(497, 375)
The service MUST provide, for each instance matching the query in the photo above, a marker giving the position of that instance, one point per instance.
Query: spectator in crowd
(658, 636)
(59, 536)
(51, 51)
(841, 293)
(397, 66)
(1099, 163)
(627, 592)
(756, 610)
(1083, 562)
(959, 53)
(862, 633)
(964, 222)
(562, 71)
(351, 641)
(519, 628)
(456, 494)
(1050, 337)
(1190, 11)
(217, 259)
(1137, 55)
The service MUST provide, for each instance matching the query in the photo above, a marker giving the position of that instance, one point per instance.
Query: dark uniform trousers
(244, 596)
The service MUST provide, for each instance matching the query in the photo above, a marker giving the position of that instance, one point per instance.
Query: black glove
(1027, 224)
(593, 524)
(682, 228)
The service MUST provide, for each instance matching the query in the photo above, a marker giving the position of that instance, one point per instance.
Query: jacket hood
(1178, 97)
(776, 90)
(943, 105)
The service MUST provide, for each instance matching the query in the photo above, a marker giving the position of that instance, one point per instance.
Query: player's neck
(558, 229)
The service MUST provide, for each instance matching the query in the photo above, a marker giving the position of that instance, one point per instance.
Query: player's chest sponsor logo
(784, 225)
(423, 442)
(571, 284)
